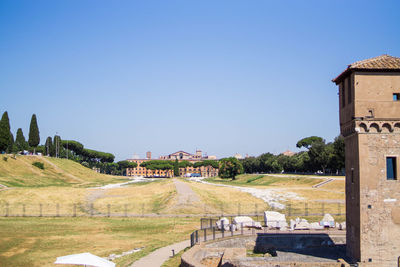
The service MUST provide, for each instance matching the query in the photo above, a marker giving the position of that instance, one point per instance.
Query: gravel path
(185, 194)
(159, 256)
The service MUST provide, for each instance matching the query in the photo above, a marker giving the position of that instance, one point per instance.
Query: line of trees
(318, 156)
(56, 147)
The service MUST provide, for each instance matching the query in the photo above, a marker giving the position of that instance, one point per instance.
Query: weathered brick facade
(369, 104)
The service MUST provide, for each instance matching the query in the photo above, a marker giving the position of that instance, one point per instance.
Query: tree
(124, 164)
(73, 145)
(5, 134)
(34, 138)
(176, 168)
(251, 164)
(48, 147)
(319, 154)
(307, 142)
(230, 167)
(57, 145)
(11, 147)
(20, 141)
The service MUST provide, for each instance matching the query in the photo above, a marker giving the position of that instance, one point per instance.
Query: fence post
(108, 210)
(23, 210)
(126, 210)
(7, 209)
(197, 236)
(58, 210)
(74, 212)
(213, 233)
(222, 210)
(223, 229)
(205, 234)
(191, 240)
(211, 224)
(40, 210)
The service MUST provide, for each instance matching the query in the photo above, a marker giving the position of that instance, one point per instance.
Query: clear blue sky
(221, 76)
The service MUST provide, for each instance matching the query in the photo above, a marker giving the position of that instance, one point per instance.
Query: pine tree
(20, 141)
(5, 133)
(34, 138)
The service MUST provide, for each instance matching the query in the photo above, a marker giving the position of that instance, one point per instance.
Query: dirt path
(185, 194)
(159, 256)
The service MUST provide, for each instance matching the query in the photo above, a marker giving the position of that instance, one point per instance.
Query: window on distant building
(391, 168)
(396, 96)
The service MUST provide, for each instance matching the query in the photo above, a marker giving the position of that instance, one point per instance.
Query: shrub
(5, 158)
(38, 164)
(254, 178)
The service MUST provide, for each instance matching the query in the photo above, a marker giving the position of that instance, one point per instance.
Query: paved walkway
(159, 256)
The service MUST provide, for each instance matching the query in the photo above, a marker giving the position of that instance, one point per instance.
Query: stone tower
(369, 107)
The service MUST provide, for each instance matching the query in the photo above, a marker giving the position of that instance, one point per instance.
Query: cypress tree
(10, 147)
(176, 168)
(48, 147)
(57, 146)
(20, 141)
(5, 133)
(34, 138)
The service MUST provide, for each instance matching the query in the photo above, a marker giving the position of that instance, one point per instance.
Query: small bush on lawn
(38, 164)
(5, 158)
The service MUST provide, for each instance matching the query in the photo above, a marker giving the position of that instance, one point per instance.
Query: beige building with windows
(204, 171)
(369, 107)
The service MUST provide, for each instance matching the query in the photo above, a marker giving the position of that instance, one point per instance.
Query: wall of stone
(379, 199)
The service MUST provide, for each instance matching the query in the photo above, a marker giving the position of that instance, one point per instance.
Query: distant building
(288, 153)
(238, 156)
(207, 171)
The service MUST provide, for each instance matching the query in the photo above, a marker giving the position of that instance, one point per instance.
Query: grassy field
(218, 200)
(19, 172)
(275, 180)
(65, 186)
(38, 241)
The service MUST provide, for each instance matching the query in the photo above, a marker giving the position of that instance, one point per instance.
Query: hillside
(20, 172)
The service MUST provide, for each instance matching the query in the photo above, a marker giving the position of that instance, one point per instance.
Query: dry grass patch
(139, 198)
(226, 200)
(39, 241)
(31, 200)
(19, 172)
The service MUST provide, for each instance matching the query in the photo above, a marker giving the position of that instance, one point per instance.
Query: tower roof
(381, 63)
